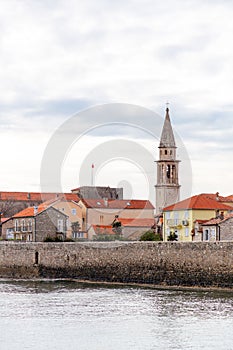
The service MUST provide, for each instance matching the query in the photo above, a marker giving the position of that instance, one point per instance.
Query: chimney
(221, 216)
(35, 210)
(105, 201)
(217, 196)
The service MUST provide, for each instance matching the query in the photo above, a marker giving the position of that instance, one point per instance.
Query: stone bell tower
(167, 187)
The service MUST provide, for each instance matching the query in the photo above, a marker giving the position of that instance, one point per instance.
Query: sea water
(68, 315)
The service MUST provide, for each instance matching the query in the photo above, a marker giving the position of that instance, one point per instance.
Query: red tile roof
(217, 220)
(228, 198)
(201, 201)
(118, 204)
(30, 211)
(103, 229)
(138, 222)
(4, 219)
(36, 196)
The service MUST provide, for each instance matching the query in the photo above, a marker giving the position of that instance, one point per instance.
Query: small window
(16, 225)
(171, 152)
(30, 225)
(186, 231)
(73, 211)
(165, 151)
(60, 225)
(23, 226)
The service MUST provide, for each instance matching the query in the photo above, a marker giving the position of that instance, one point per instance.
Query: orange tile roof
(218, 220)
(118, 204)
(30, 211)
(36, 196)
(4, 219)
(200, 201)
(103, 229)
(228, 198)
(139, 222)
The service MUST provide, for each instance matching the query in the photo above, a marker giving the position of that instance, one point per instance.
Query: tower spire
(167, 137)
(167, 187)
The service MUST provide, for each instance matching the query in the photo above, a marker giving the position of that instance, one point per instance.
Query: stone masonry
(201, 264)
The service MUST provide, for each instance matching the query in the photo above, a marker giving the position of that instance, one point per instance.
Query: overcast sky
(58, 58)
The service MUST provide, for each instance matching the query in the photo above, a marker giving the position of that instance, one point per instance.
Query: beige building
(104, 211)
(74, 213)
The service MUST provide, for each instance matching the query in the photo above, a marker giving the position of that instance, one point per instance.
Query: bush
(150, 236)
(172, 237)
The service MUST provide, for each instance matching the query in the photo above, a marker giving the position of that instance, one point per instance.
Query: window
(186, 214)
(29, 237)
(186, 231)
(73, 211)
(165, 151)
(60, 225)
(16, 225)
(206, 235)
(212, 232)
(168, 171)
(30, 225)
(9, 233)
(101, 219)
(23, 226)
(78, 235)
(167, 215)
(171, 152)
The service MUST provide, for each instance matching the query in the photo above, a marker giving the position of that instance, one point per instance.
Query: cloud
(58, 59)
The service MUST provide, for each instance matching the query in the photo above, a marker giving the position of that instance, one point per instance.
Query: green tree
(150, 236)
(116, 227)
(75, 226)
(172, 236)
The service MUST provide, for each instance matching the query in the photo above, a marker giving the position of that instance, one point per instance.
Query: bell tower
(167, 187)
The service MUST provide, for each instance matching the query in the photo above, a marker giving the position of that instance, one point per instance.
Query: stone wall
(160, 263)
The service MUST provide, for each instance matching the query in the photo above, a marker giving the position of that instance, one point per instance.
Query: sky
(97, 75)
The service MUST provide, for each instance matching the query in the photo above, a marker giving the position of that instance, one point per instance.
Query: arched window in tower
(174, 172)
(168, 171)
(162, 173)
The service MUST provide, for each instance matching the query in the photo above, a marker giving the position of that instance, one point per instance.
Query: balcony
(174, 223)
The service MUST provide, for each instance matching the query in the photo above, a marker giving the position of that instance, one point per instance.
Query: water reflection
(101, 317)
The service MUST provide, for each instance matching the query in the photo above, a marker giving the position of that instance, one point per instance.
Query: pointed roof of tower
(167, 137)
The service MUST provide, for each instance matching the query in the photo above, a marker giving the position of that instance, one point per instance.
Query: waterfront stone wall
(205, 264)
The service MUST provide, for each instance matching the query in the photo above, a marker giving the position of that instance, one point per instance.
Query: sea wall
(159, 263)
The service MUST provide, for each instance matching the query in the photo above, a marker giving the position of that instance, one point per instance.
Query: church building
(167, 187)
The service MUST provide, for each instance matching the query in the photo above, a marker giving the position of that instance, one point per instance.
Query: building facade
(104, 211)
(35, 224)
(182, 218)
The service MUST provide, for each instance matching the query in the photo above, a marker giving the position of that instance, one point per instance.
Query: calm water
(67, 315)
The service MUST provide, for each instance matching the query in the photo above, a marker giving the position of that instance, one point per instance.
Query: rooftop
(200, 201)
(118, 204)
(35, 196)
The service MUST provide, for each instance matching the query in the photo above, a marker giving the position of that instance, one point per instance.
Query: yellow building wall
(176, 222)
